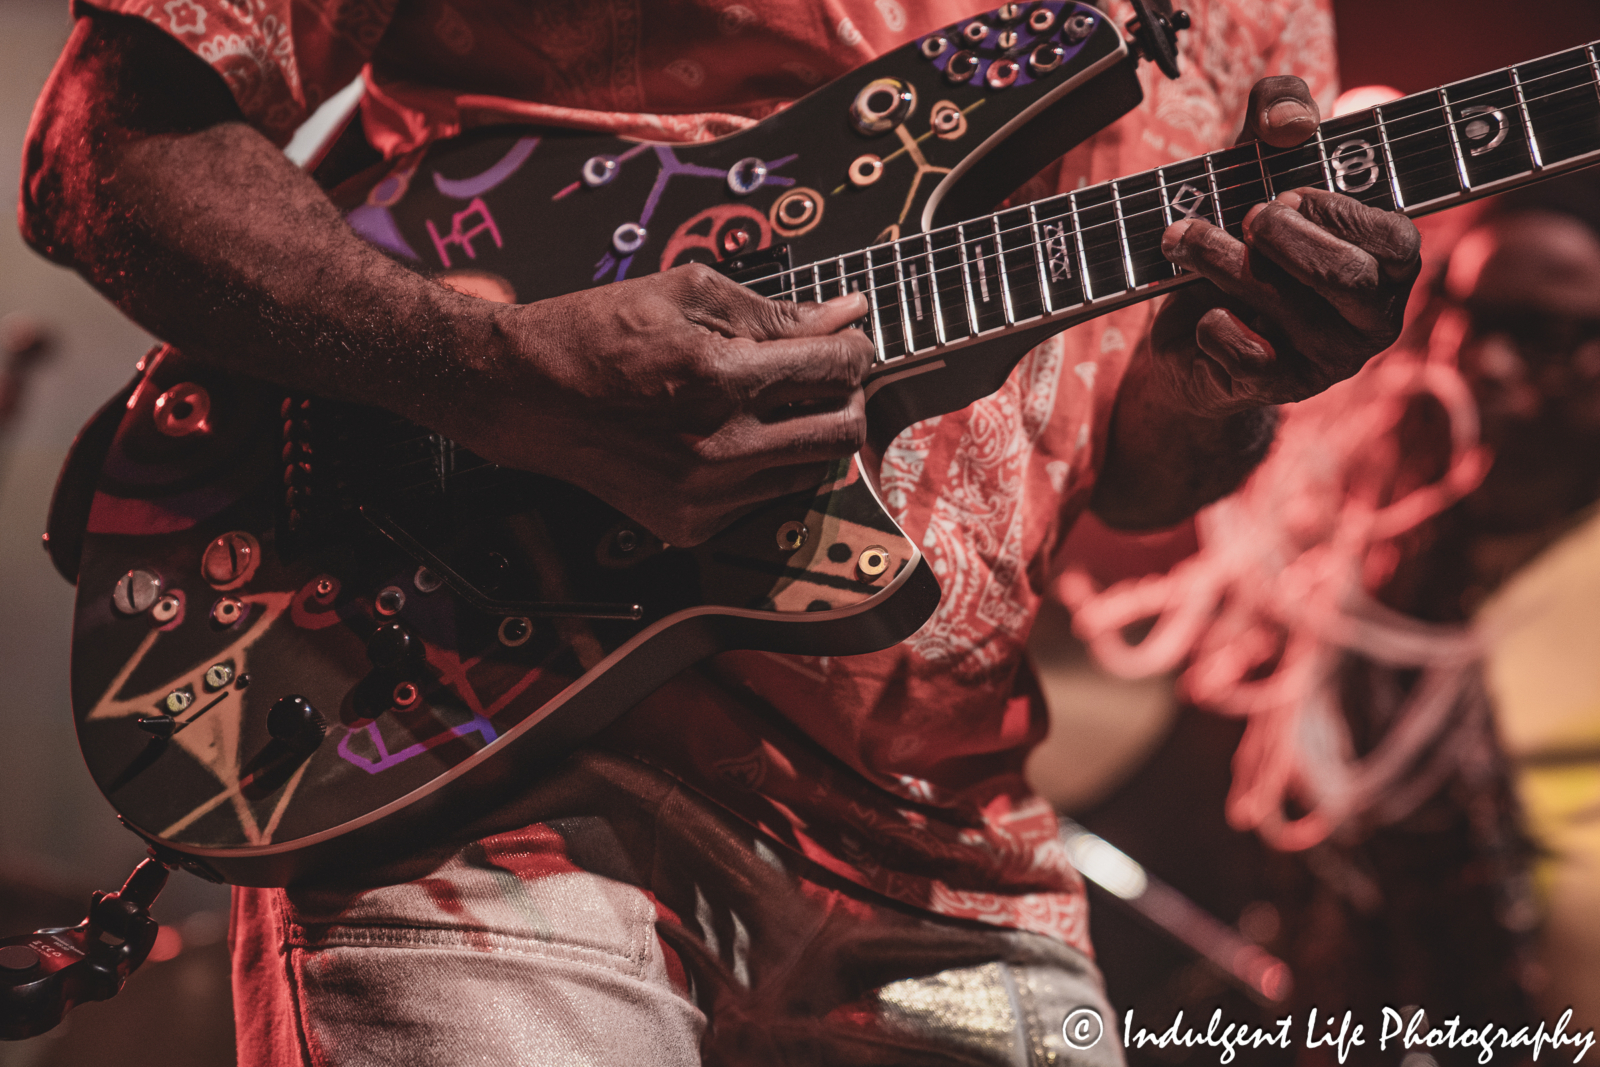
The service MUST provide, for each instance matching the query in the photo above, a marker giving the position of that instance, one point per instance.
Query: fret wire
(905, 305)
(1216, 197)
(1122, 232)
(1166, 206)
(933, 291)
(1086, 284)
(1379, 127)
(966, 277)
(872, 298)
(816, 282)
(984, 296)
(845, 274)
(1388, 158)
(1266, 178)
(1527, 122)
(919, 301)
(1455, 141)
(1040, 260)
(1322, 155)
(1161, 194)
(1006, 306)
(1593, 63)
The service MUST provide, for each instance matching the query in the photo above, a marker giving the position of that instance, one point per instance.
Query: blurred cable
(25, 343)
(1260, 974)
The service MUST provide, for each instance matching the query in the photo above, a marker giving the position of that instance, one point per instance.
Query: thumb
(1281, 113)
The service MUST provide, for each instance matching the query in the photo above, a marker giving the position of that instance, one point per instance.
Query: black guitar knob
(390, 646)
(296, 723)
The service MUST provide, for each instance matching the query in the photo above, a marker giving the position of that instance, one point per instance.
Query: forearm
(1164, 463)
(199, 229)
(680, 398)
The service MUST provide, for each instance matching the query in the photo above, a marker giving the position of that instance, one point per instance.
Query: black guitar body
(308, 631)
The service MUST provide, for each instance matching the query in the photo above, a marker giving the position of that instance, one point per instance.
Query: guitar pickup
(760, 271)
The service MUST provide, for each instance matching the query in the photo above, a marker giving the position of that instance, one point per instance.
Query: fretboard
(1100, 247)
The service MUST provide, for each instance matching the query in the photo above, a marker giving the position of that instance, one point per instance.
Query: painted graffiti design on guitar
(395, 674)
(651, 200)
(412, 628)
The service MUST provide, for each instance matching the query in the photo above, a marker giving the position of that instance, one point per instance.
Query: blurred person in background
(1384, 583)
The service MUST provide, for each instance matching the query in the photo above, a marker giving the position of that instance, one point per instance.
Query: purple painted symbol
(1029, 36)
(391, 189)
(377, 225)
(462, 236)
(386, 759)
(672, 167)
(468, 188)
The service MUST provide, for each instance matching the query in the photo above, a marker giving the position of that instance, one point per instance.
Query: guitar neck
(1077, 255)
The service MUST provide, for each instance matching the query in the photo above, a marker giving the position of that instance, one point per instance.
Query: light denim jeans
(627, 920)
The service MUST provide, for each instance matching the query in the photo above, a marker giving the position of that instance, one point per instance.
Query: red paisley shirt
(902, 770)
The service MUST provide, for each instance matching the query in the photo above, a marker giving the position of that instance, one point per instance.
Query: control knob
(293, 721)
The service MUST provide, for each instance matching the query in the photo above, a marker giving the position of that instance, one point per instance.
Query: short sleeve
(280, 58)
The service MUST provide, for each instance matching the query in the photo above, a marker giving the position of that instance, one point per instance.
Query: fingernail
(1286, 113)
(1289, 199)
(847, 298)
(1173, 234)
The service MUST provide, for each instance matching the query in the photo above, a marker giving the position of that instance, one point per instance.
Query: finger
(808, 435)
(724, 499)
(797, 370)
(1387, 236)
(1256, 374)
(1281, 112)
(724, 306)
(1225, 261)
(1309, 324)
(1341, 273)
(685, 521)
(774, 482)
(1242, 352)
(831, 316)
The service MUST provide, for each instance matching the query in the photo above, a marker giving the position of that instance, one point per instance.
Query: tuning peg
(1155, 35)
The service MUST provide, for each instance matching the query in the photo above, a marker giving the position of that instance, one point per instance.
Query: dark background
(58, 838)
(1417, 44)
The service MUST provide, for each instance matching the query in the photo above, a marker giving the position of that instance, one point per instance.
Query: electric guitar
(308, 631)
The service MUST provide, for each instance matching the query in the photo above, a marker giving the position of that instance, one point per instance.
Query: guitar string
(1377, 126)
(1117, 198)
(1251, 166)
(961, 288)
